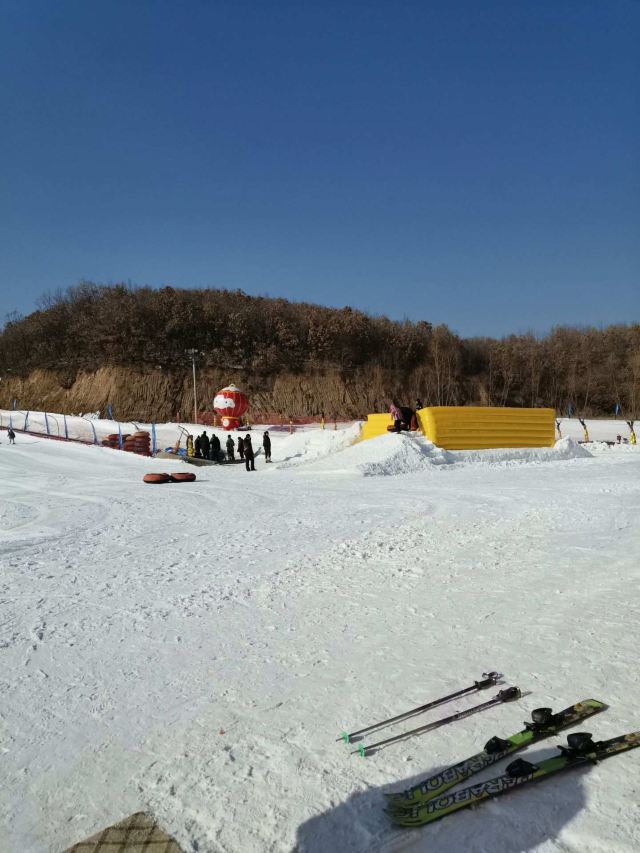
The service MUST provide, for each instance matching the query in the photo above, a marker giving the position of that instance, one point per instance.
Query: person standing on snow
(204, 444)
(214, 452)
(240, 447)
(12, 436)
(248, 454)
(266, 443)
(197, 446)
(231, 449)
(396, 414)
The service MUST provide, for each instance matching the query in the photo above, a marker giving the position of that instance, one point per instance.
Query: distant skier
(12, 436)
(248, 454)
(266, 443)
(231, 449)
(214, 452)
(240, 447)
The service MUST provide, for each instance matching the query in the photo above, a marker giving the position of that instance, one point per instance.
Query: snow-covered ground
(195, 649)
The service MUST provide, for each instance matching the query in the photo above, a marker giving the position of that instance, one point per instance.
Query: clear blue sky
(473, 163)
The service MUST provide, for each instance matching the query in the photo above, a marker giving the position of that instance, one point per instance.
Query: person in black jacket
(241, 447)
(266, 443)
(197, 447)
(12, 436)
(407, 414)
(231, 449)
(248, 454)
(215, 448)
(204, 445)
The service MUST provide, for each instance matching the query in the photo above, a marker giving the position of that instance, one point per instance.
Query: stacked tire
(139, 443)
(112, 440)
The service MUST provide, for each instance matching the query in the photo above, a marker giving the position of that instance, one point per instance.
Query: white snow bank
(564, 449)
(596, 447)
(392, 454)
(383, 456)
(306, 446)
(568, 448)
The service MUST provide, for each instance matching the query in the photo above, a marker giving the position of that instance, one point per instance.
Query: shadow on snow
(517, 822)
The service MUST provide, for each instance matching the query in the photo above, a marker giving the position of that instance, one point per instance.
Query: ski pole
(489, 680)
(507, 695)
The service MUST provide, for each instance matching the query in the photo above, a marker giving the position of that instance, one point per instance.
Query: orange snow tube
(156, 478)
(183, 477)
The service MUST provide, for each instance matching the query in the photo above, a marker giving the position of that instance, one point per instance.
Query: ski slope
(195, 649)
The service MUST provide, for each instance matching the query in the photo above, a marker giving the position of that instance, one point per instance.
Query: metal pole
(195, 399)
(490, 679)
(506, 695)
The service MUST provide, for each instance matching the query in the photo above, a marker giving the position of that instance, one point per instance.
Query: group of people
(210, 448)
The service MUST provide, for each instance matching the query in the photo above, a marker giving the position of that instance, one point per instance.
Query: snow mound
(397, 454)
(303, 447)
(566, 448)
(392, 454)
(597, 447)
(384, 456)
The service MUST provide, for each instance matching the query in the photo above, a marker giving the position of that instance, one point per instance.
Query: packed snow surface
(194, 650)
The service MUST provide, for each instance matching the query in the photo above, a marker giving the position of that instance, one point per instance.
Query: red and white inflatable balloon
(230, 404)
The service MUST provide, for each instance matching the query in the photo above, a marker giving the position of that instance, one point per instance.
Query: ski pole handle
(490, 679)
(509, 694)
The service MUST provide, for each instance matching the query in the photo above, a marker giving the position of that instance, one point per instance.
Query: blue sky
(470, 163)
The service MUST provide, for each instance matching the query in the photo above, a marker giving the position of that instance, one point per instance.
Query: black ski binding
(496, 744)
(541, 718)
(579, 744)
(520, 768)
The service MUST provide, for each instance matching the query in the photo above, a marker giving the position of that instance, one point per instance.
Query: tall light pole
(193, 353)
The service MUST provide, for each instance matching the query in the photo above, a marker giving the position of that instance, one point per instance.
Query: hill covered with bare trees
(94, 345)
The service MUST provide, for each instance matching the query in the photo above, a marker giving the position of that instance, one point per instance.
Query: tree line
(587, 371)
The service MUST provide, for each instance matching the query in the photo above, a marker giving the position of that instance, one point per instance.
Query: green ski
(581, 750)
(543, 724)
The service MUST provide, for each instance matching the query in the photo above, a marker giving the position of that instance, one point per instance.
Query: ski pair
(544, 723)
(580, 751)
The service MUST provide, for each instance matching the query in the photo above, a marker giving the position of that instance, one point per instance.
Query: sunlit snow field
(194, 650)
